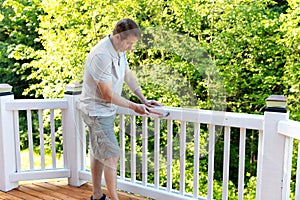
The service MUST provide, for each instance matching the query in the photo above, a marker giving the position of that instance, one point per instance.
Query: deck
(56, 190)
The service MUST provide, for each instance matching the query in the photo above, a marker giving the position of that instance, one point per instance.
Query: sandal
(102, 198)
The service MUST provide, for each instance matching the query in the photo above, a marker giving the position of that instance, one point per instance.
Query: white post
(270, 172)
(7, 144)
(73, 136)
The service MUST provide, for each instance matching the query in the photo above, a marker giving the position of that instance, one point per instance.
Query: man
(105, 71)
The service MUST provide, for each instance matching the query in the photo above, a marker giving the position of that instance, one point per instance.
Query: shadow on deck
(57, 190)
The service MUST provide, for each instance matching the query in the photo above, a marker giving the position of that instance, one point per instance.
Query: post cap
(73, 89)
(276, 103)
(5, 89)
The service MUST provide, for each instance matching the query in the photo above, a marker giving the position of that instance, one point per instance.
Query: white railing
(34, 171)
(290, 130)
(275, 149)
(185, 117)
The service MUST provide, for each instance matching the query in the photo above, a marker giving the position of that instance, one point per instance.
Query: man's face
(126, 44)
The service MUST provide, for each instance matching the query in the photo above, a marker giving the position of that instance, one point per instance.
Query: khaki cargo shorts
(103, 141)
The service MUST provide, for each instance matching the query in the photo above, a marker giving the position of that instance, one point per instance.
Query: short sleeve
(100, 68)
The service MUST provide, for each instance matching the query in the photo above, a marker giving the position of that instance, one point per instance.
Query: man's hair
(127, 27)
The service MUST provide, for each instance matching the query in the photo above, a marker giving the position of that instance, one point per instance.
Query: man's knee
(111, 162)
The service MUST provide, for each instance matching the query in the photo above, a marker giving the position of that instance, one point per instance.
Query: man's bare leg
(96, 170)
(110, 173)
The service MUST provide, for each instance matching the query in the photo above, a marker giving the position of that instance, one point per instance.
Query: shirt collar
(110, 47)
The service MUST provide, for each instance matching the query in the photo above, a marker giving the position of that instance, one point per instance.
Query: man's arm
(135, 88)
(110, 96)
(133, 85)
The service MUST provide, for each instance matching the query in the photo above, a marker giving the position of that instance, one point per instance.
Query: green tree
(19, 42)
(291, 40)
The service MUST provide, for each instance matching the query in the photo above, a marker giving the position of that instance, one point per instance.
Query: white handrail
(289, 128)
(239, 120)
(36, 104)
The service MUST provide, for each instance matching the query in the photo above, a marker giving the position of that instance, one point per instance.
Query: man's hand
(141, 109)
(145, 110)
(151, 103)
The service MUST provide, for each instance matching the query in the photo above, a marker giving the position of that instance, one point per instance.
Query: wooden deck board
(23, 195)
(57, 190)
(29, 189)
(72, 192)
(8, 196)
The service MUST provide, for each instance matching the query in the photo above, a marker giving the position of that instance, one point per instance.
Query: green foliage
(19, 42)
(249, 192)
(247, 52)
(291, 39)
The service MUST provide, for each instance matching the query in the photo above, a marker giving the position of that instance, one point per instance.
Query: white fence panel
(291, 130)
(42, 108)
